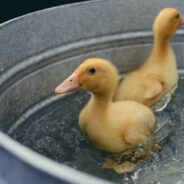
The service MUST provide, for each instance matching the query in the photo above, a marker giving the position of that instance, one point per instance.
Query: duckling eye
(177, 16)
(92, 70)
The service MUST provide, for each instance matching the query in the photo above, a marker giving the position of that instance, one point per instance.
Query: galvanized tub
(41, 49)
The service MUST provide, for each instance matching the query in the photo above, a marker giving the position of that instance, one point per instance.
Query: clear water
(54, 132)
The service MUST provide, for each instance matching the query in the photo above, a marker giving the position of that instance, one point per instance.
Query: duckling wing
(140, 128)
(153, 88)
(134, 137)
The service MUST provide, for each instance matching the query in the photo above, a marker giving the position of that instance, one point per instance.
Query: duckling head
(167, 22)
(96, 75)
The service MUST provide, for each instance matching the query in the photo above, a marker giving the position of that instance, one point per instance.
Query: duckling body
(159, 72)
(148, 83)
(110, 126)
(117, 127)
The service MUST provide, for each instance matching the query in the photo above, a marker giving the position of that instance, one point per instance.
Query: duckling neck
(161, 45)
(101, 101)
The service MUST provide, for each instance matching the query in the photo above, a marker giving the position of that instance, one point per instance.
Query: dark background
(10, 9)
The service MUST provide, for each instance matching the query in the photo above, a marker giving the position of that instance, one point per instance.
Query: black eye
(92, 70)
(177, 16)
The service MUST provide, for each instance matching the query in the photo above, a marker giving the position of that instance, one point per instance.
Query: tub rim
(47, 165)
(49, 9)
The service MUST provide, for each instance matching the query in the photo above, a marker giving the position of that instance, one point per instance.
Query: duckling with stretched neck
(159, 72)
(110, 126)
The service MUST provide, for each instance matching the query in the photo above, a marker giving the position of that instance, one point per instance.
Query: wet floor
(54, 132)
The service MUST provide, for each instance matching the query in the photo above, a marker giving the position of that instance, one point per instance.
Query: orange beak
(182, 20)
(70, 84)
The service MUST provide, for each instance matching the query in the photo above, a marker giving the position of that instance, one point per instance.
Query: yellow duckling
(110, 126)
(159, 72)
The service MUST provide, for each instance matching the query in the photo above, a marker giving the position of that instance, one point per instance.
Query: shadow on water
(54, 132)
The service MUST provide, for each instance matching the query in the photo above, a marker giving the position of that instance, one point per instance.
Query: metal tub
(41, 49)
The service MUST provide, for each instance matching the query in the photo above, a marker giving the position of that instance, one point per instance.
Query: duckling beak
(70, 84)
(182, 20)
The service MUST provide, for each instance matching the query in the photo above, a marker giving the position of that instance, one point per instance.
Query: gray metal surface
(40, 49)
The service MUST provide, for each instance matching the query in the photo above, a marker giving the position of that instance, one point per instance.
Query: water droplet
(135, 175)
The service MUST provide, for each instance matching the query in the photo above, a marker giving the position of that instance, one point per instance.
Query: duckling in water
(110, 126)
(159, 72)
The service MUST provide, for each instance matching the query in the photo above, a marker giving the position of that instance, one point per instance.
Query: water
(54, 132)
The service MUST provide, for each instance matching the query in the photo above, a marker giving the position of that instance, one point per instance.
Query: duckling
(159, 72)
(110, 126)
